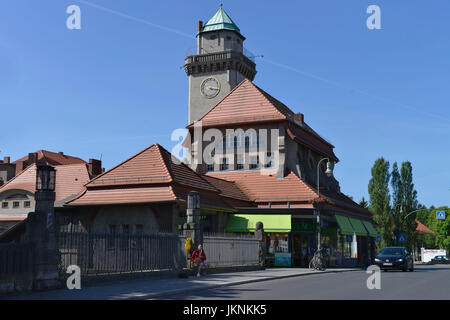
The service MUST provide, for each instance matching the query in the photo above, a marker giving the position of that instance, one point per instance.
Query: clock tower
(219, 65)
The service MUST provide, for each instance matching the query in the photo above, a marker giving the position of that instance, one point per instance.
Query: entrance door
(304, 251)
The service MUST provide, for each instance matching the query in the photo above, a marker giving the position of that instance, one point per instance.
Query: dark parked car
(395, 258)
(440, 260)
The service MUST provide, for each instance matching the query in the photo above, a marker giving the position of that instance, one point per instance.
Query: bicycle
(318, 261)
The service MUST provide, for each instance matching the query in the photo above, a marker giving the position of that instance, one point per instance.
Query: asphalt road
(426, 282)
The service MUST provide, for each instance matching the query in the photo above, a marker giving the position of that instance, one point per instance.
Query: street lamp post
(329, 173)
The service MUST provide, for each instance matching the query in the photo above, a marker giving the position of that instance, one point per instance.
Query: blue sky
(116, 86)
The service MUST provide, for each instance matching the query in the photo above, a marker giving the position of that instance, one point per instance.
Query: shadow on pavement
(218, 293)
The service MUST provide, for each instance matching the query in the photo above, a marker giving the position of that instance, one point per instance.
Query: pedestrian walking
(198, 257)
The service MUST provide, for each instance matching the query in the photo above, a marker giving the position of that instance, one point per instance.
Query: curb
(213, 286)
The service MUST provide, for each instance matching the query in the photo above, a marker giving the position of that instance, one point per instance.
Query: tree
(440, 227)
(379, 200)
(363, 203)
(409, 203)
(423, 214)
(404, 201)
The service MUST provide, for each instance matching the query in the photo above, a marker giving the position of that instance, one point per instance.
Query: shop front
(277, 229)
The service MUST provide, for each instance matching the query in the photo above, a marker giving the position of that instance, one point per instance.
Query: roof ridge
(18, 175)
(121, 163)
(229, 93)
(170, 155)
(265, 94)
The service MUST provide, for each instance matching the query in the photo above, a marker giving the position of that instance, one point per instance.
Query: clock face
(210, 87)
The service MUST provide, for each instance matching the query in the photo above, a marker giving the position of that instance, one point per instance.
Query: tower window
(254, 162)
(213, 37)
(4, 205)
(210, 167)
(27, 204)
(269, 160)
(16, 204)
(224, 164)
(239, 162)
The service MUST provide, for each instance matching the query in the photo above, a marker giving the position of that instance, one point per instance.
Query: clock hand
(212, 88)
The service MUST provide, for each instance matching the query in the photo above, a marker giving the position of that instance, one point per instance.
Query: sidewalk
(155, 288)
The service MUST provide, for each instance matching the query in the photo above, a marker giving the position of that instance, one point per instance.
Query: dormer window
(16, 204)
(5, 205)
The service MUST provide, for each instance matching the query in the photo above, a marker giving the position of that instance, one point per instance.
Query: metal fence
(103, 254)
(106, 254)
(236, 250)
(16, 267)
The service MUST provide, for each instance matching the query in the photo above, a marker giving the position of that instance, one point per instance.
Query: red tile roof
(70, 180)
(52, 158)
(422, 228)
(314, 142)
(245, 103)
(264, 188)
(152, 175)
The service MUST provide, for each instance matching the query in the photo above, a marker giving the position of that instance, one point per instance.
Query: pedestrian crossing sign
(440, 215)
(402, 237)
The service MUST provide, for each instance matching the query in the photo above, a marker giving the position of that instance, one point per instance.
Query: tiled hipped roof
(263, 188)
(70, 180)
(247, 103)
(153, 175)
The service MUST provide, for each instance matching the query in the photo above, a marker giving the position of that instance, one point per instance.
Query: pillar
(260, 236)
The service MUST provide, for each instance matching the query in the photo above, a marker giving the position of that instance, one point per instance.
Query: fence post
(259, 235)
(192, 227)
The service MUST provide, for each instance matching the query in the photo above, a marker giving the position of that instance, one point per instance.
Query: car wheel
(405, 267)
(412, 266)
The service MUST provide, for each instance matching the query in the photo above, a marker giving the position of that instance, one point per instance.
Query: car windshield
(392, 251)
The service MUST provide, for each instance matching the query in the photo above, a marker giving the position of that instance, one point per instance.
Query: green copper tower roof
(220, 21)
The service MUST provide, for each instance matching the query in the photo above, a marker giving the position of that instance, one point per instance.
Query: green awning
(344, 225)
(271, 222)
(370, 229)
(358, 226)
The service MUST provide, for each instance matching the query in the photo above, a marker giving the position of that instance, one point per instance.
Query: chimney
(61, 153)
(19, 167)
(32, 158)
(200, 26)
(95, 167)
(299, 117)
(7, 160)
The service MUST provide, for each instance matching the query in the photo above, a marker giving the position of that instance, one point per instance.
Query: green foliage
(380, 199)
(423, 214)
(440, 227)
(363, 203)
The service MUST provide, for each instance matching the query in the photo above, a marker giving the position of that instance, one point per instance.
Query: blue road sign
(378, 239)
(402, 237)
(349, 238)
(440, 215)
